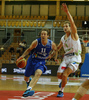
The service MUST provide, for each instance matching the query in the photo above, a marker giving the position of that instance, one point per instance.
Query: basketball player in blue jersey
(39, 49)
(72, 47)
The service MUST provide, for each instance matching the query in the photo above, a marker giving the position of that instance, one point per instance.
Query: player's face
(44, 35)
(66, 28)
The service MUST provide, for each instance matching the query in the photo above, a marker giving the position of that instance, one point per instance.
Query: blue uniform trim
(74, 62)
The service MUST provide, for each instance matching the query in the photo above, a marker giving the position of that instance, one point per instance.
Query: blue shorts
(33, 65)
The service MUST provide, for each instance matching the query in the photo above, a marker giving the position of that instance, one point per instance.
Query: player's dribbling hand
(19, 58)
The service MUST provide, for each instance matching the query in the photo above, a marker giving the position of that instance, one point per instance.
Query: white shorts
(70, 62)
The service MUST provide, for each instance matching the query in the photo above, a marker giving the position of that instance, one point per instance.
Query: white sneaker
(74, 99)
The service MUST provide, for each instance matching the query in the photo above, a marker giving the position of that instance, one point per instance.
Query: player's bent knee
(64, 76)
(59, 75)
(38, 74)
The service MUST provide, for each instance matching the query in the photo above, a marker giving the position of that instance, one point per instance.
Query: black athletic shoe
(60, 94)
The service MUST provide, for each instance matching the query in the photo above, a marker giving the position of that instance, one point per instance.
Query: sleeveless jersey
(71, 46)
(41, 51)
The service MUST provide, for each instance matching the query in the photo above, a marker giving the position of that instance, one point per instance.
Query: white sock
(28, 81)
(29, 88)
(62, 89)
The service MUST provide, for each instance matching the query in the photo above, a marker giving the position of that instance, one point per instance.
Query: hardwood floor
(45, 83)
(13, 86)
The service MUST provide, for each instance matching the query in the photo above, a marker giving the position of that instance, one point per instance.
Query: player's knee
(64, 75)
(59, 75)
(82, 90)
(38, 74)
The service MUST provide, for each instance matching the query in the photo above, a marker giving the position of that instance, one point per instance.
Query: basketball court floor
(13, 86)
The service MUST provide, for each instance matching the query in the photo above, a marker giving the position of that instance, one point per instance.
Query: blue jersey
(37, 58)
(41, 51)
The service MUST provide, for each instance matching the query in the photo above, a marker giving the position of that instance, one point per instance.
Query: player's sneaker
(28, 82)
(28, 93)
(60, 94)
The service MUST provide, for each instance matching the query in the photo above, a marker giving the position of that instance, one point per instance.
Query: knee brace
(81, 91)
(64, 74)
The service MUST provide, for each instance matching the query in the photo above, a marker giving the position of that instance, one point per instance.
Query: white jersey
(71, 46)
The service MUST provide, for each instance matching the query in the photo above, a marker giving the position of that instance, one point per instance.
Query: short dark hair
(44, 29)
(67, 22)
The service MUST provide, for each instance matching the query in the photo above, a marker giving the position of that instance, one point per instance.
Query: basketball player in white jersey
(72, 47)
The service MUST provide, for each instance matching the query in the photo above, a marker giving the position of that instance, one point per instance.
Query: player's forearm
(59, 47)
(52, 54)
(70, 17)
(56, 54)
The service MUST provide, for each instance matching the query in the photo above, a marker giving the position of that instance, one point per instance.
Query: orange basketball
(21, 63)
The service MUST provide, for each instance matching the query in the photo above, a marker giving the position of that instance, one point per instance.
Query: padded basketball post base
(85, 67)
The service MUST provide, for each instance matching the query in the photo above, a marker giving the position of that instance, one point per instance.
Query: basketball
(21, 63)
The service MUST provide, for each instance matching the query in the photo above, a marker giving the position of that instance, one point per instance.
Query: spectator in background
(23, 45)
(13, 58)
(12, 50)
(22, 36)
(19, 50)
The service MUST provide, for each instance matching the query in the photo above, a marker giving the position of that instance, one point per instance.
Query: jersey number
(43, 50)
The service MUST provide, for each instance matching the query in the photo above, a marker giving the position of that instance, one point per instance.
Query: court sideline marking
(36, 96)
